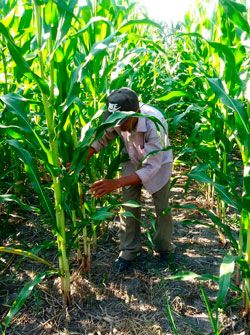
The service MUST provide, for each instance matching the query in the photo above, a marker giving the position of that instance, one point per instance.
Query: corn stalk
(49, 113)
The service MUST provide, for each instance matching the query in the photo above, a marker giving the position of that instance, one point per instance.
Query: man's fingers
(102, 187)
(98, 182)
(97, 188)
(100, 194)
(99, 191)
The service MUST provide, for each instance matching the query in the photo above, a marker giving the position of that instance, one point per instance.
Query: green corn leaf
(102, 214)
(214, 218)
(50, 15)
(189, 276)
(126, 26)
(21, 62)
(128, 214)
(233, 104)
(25, 21)
(213, 322)
(12, 131)
(171, 318)
(78, 75)
(64, 23)
(246, 202)
(224, 194)
(244, 267)
(14, 103)
(226, 271)
(231, 73)
(13, 198)
(33, 174)
(190, 108)
(67, 9)
(23, 295)
(234, 12)
(173, 95)
(27, 254)
(131, 203)
(92, 21)
(225, 228)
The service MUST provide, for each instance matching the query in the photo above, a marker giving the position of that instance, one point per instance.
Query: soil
(134, 302)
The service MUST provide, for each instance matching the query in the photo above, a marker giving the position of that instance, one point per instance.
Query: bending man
(140, 137)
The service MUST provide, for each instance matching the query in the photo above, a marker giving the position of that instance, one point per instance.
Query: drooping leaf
(23, 295)
(233, 104)
(23, 66)
(14, 103)
(13, 198)
(33, 174)
(127, 25)
(189, 276)
(25, 254)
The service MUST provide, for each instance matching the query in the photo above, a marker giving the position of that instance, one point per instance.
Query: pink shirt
(154, 170)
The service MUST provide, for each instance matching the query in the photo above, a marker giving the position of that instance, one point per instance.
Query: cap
(124, 99)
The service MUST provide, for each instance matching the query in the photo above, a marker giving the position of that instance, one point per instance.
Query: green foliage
(59, 61)
(22, 297)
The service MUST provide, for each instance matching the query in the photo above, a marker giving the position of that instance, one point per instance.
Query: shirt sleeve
(108, 136)
(154, 140)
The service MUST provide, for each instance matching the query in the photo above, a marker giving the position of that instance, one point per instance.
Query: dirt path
(130, 303)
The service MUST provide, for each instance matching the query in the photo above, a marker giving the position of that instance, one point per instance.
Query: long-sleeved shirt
(153, 170)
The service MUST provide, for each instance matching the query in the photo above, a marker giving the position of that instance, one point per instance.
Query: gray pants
(130, 230)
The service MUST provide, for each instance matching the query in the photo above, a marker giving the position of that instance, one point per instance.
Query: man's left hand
(105, 186)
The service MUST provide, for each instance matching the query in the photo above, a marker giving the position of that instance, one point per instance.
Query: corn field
(59, 59)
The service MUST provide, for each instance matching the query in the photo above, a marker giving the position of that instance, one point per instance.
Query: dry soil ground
(130, 303)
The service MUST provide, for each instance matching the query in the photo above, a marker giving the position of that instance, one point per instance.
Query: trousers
(130, 228)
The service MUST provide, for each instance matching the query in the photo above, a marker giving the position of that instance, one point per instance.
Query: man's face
(129, 124)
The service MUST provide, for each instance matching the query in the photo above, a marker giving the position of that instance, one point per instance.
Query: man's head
(124, 100)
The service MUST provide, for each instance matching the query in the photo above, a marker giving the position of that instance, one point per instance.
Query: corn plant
(64, 58)
(58, 62)
(210, 81)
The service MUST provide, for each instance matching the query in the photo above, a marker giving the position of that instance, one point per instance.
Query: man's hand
(105, 186)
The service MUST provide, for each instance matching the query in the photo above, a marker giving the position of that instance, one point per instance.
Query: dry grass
(132, 303)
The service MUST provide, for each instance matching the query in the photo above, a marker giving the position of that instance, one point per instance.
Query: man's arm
(106, 186)
(91, 152)
(108, 136)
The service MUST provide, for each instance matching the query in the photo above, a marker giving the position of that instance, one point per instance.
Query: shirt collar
(141, 125)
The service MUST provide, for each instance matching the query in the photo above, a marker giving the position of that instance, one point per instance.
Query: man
(140, 136)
